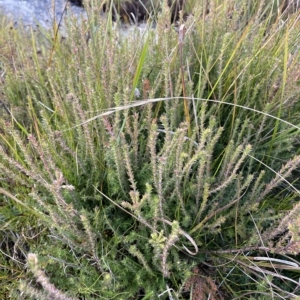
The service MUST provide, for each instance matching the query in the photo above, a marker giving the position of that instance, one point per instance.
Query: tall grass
(157, 166)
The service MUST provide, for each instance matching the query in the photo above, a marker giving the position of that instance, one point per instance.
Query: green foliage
(188, 190)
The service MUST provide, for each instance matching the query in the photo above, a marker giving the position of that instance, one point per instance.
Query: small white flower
(137, 93)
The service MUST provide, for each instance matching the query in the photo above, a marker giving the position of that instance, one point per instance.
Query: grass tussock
(163, 165)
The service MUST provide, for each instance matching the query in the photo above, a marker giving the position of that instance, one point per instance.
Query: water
(31, 13)
(37, 12)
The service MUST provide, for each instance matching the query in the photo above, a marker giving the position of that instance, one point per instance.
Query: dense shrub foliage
(160, 165)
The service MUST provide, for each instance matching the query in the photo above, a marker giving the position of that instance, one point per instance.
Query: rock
(138, 10)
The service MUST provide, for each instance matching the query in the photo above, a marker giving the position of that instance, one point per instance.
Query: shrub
(161, 165)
